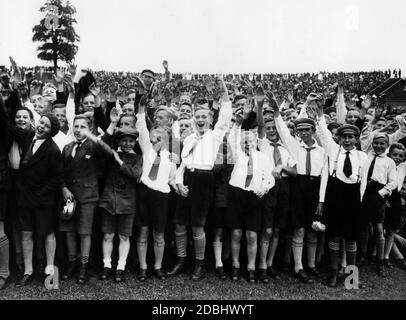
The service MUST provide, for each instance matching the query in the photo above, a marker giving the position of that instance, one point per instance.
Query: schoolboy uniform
(118, 198)
(158, 172)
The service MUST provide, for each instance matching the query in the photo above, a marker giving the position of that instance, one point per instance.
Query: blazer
(81, 174)
(40, 177)
(119, 192)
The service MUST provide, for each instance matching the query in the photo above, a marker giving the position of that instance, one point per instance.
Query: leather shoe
(160, 274)
(387, 263)
(4, 282)
(313, 272)
(251, 276)
(361, 261)
(220, 273)
(401, 263)
(25, 280)
(262, 275)
(119, 277)
(70, 270)
(179, 267)
(332, 279)
(142, 275)
(198, 271)
(273, 273)
(83, 278)
(105, 273)
(303, 277)
(380, 270)
(235, 274)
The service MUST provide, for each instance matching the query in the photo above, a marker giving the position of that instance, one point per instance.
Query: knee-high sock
(199, 246)
(142, 253)
(311, 247)
(159, 248)
(297, 249)
(123, 249)
(107, 250)
(334, 249)
(181, 244)
(380, 243)
(4, 257)
(218, 248)
(388, 244)
(272, 249)
(263, 251)
(351, 251)
(252, 253)
(235, 253)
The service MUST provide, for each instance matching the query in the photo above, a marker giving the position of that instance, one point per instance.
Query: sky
(221, 36)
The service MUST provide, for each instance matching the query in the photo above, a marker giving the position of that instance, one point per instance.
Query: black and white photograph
(200, 157)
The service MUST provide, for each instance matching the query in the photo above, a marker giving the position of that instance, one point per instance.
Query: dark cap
(126, 132)
(348, 129)
(304, 123)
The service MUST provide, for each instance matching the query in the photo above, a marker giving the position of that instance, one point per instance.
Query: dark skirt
(342, 209)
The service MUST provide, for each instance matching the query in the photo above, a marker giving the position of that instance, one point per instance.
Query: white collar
(120, 150)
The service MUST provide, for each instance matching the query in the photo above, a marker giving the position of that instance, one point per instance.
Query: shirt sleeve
(340, 108)
(179, 173)
(290, 143)
(234, 141)
(323, 180)
(223, 122)
(391, 180)
(143, 137)
(325, 138)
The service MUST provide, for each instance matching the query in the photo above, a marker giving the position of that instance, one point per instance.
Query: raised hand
(260, 95)
(59, 76)
(165, 65)
(239, 116)
(72, 68)
(272, 102)
(94, 89)
(140, 85)
(68, 81)
(366, 102)
(114, 115)
(35, 87)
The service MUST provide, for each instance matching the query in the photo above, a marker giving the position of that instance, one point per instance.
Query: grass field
(392, 287)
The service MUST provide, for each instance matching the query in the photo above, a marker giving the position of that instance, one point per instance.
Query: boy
(40, 177)
(158, 173)
(378, 181)
(308, 188)
(198, 155)
(250, 180)
(82, 159)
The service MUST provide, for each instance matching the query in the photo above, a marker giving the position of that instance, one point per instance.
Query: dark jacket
(81, 174)
(119, 192)
(40, 177)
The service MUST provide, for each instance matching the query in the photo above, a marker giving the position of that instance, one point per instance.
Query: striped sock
(297, 249)
(181, 244)
(200, 246)
(334, 249)
(351, 251)
(84, 259)
(4, 257)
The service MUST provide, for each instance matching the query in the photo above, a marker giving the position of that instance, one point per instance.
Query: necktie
(347, 165)
(308, 161)
(76, 148)
(155, 166)
(276, 155)
(250, 170)
(29, 153)
(371, 169)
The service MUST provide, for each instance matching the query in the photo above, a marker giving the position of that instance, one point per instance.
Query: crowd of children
(320, 180)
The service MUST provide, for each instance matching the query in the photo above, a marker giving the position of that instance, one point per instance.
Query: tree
(56, 32)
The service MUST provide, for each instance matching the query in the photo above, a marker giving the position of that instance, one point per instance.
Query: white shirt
(297, 149)
(262, 178)
(36, 145)
(368, 134)
(337, 155)
(384, 173)
(204, 154)
(265, 146)
(167, 169)
(401, 174)
(62, 140)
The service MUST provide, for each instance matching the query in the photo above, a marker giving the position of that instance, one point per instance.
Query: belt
(199, 170)
(311, 178)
